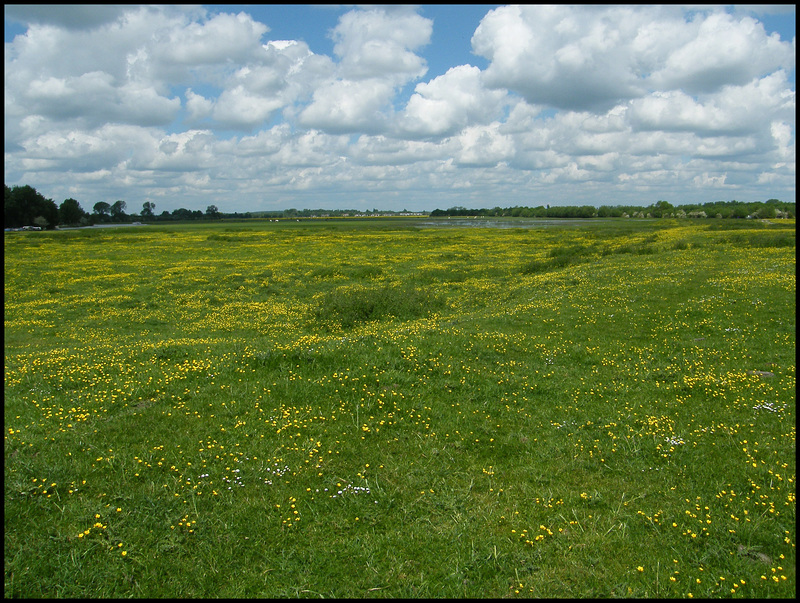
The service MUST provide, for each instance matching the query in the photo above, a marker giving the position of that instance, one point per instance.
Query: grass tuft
(353, 305)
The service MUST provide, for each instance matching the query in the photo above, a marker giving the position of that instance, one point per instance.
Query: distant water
(102, 226)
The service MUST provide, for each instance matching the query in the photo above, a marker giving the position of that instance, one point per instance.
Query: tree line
(772, 208)
(24, 206)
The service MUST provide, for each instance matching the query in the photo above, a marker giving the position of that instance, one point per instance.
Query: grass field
(381, 409)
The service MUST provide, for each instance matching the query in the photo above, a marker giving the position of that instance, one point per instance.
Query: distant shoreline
(100, 226)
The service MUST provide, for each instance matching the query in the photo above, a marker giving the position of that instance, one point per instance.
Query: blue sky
(262, 107)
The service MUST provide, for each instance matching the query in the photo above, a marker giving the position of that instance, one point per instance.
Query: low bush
(763, 240)
(349, 306)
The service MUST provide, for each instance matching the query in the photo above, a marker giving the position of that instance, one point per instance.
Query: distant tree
(6, 204)
(766, 212)
(118, 211)
(101, 210)
(70, 212)
(740, 211)
(12, 209)
(24, 204)
(606, 211)
(718, 208)
(662, 209)
(182, 214)
(213, 213)
(148, 210)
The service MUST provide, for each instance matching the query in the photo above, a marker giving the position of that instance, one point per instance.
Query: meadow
(379, 408)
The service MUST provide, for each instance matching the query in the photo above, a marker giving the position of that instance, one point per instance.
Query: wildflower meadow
(401, 408)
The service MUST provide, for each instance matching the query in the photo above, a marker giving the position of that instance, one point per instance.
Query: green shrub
(569, 251)
(762, 239)
(324, 272)
(350, 306)
(366, 272)
(559, 257)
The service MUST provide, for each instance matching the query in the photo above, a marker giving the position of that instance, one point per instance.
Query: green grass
(381, 409)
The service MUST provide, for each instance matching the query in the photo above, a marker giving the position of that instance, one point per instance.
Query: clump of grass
(763, 240)
(173, 352)
(220, 238)
(558, 257)
(569, 251)
(634, 248)
(353, 305)
(365, 272)
(324, 272)
(731, 225)
(441, 275)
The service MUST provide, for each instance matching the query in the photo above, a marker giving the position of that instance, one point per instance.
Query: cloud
(349, 106)
(85, 150)
(69, 16)
(240, 108)
(576, 104)
(94, 99)
(224, 38)
(312, 148)
(198, 106)
(85, 75)
(190, 151)
(561, 56)
(376, 57)
(721, 51)
(376, 43)
(704, 180)
(728, 111)
(450, 102)
(592, 58)
(384, 150)
(484, 146)
(282, 74)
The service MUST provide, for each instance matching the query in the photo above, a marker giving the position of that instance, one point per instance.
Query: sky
(389, 107)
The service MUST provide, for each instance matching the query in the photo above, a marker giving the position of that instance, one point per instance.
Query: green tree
(212, 212)
(6, 204)
(70, 212)
(118, 211)
(766, 212)
(24, 204)
(147, 210)
(102, 210)
(662, 209)
(740, 211)
(182, 214)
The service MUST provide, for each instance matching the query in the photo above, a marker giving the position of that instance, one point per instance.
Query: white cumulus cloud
(451, 102)
(564, 103)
